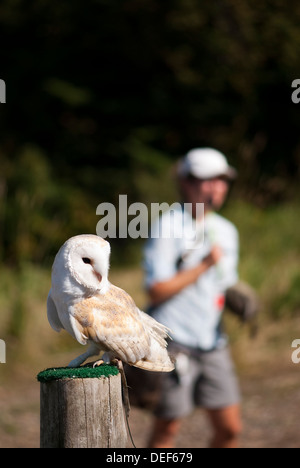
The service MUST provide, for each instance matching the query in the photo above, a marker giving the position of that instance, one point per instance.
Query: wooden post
(82, 413)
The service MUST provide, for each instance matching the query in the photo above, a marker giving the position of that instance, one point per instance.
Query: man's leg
(164, 433)
(227, 426)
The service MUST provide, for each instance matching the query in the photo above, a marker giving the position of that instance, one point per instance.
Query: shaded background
(102, 97)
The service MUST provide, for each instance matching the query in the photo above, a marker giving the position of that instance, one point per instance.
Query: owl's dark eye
(86, 260)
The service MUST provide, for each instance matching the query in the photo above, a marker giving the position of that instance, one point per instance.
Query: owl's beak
(98, 276)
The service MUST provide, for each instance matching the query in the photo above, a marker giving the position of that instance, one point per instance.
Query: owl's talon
(98, 363)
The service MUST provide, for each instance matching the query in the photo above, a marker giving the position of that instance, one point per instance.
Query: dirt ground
(270, 409)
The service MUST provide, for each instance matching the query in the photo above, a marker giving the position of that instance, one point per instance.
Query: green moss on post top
(57, 373)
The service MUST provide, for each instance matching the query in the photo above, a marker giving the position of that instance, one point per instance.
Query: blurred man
(186, 285)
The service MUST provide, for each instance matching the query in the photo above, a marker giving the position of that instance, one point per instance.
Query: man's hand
(164, 290)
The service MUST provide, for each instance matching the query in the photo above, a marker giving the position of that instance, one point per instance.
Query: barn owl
(84, 303)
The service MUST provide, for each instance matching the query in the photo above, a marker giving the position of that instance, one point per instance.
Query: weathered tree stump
(82, 412)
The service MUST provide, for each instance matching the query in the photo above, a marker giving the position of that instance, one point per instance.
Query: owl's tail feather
(157, 330)
(157, 358)
(166, 366)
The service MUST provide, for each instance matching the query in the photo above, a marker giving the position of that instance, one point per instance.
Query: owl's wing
(114, 322)
(52, 314)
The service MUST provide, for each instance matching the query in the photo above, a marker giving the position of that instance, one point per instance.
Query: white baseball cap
(205, 163)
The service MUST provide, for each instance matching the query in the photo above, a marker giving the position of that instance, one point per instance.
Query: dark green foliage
(102, 96)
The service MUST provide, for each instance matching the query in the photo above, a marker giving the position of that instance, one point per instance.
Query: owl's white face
(84, 260)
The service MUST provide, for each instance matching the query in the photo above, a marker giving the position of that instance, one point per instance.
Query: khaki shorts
(204, 379)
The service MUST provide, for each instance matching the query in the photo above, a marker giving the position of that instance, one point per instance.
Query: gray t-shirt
(194, 313)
